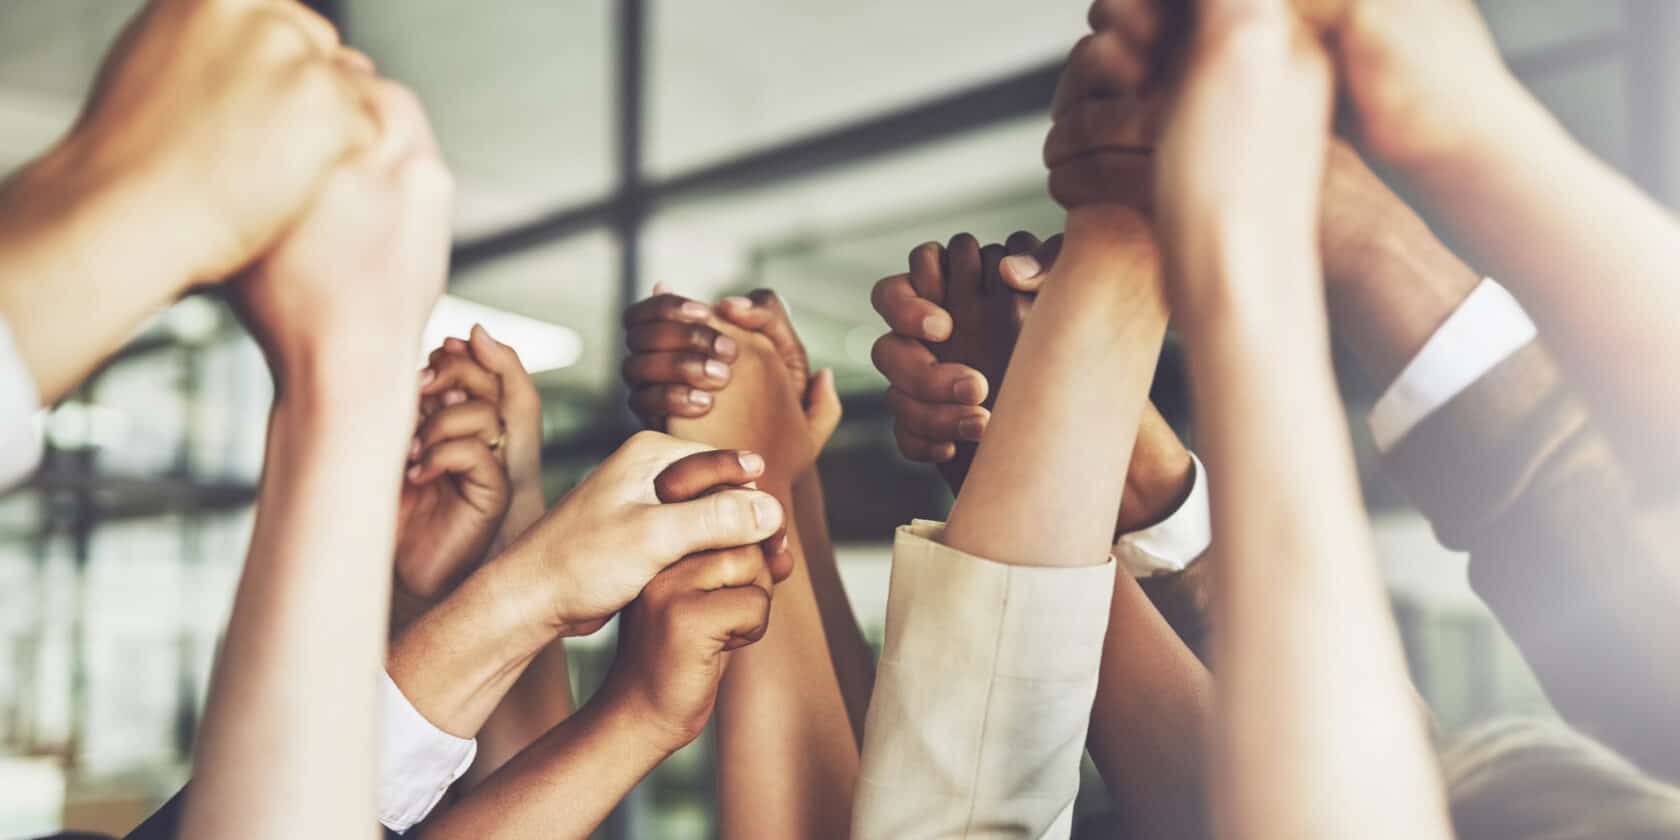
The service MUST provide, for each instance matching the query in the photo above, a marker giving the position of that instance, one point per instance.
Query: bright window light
(542, 346)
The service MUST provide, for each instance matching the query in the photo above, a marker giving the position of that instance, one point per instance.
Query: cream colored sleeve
(983, 695)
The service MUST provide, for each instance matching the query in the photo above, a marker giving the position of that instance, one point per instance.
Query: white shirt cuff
(20, 408)
(1171, 545)
(1484, 331)
(417, 761)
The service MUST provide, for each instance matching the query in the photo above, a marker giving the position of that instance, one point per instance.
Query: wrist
(626, 713)
(1247, 275)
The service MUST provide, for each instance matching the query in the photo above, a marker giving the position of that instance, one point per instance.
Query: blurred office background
(602, 146)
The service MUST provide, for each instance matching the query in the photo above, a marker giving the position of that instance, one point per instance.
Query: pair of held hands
(1208, 114)
(673, 535)
(240, 139)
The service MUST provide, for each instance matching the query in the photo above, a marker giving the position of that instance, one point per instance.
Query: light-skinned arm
(292, 712)
(210, 129)
(1312, 682)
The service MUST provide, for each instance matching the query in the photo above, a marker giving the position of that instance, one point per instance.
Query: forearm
(458, 662)
(292, 714)
(1149, 725)
(539, 701)
(563, 786)
(1387, 299)
(782, 719)
(73, 263)
(1043, 489)
(1590, 257)
(1303, 708)
(854, 661)
(542, 696)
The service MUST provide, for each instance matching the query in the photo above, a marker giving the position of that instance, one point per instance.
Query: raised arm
(1590, 256)
(481, 367)
(291, 716)
(1512, 468)
(208, 133)
(1153, 697)
(1312, 683)
(709, 598)
(784, 723)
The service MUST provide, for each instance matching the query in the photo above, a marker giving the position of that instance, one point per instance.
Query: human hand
(226, 116)
(594, 551)
(1422, 75)
(457, 490)
(480, 367)
(352, 284)
(1254, 71)
(683, 354)
(673, 640)
(954, 321)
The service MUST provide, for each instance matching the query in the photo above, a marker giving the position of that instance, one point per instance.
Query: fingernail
(782, 547)
(695, 310)
(699, 398)
(969, 391)
(766, 512)
(725, 346)
(454, 397)
(971, 428)
(413, 449)
(1023, 266)
(738, 302)
(752, 463)
(426, 376)
(716, 370)
(936, 327)
(414, 473)
(944, 453)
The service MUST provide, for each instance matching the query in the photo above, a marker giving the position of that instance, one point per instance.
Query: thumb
(1027, 272)
(822, 407)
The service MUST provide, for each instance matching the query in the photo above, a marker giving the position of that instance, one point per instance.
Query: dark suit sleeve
(1582, 579)
(165, 824)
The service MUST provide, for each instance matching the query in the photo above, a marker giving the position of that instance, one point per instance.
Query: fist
(674, 638)
(231, 113)
(363, 269)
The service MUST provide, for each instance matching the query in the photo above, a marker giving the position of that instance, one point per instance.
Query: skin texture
(542, 697)
(786, 720)
(307, 614)
(673, 645)
(1299, 708)
(580, 564)
(211, 128)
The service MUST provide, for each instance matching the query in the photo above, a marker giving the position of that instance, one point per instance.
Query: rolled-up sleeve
(983, 695)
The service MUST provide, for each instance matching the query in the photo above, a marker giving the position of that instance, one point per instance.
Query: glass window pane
(1525, 25)
(772, 70)
(49, 53)
(823, 241)
(519, 91)
(574, 283)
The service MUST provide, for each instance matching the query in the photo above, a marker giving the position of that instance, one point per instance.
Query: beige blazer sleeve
(983, 695)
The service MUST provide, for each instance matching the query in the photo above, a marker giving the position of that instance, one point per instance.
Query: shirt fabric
(1170, 546)
(20, 410)
(417, 761)
(982, 697)
(1486, 329)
